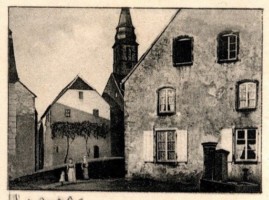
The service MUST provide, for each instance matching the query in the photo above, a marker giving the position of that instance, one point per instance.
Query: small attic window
(182, 51)
(96, 112)
(80, 95)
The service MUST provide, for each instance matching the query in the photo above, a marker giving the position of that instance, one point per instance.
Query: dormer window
(182, 51)
(228, 47)
(167, 101)
(80, 95)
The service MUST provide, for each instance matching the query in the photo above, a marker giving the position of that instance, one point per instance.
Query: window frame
(220, 46)
(80, 95)
(67, 113)
(162, 113)
(235, 139)
(247, 108)
(175, 41)
(166, 130)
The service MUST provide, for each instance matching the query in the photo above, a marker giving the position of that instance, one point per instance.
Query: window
(182, 50)
(80, 95)
(246, 144)
(167, 100)
(95, 152)
(228, 47)
(247, 95)
(166, 146)
(129, 53)
(67, 112)
(96, 112)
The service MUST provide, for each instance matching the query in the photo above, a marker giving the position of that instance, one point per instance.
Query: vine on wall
(86, 129)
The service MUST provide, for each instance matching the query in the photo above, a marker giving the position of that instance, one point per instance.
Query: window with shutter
(171, 145)
(247, 95)
(182, 51)
(148, 146)
(167, 100)
(246, 145)
(228, 47)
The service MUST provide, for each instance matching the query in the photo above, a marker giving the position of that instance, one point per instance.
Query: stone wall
(22, 127)
(205, 91)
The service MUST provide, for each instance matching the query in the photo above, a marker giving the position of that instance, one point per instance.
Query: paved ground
(113, 185)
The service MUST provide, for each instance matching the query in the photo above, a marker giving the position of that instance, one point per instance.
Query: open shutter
(148, 146)
(226, 142)
(182, 146)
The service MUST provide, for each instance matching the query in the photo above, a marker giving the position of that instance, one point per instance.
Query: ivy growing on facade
(86, 129)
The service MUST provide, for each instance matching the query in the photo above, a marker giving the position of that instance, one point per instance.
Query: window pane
(232, 54)
(243, 104)
(243, 89)
(233, 47)
(252, 134)
(161, 136)
(251, 103)
(241, 134)
(171, 146)
(241, 141)
(251, 154)
(239, 151)
(161, 155)
(161, 146)
(232, 39)
(171, 136)
(171, 155)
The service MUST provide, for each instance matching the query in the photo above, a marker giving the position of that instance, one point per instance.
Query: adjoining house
(200, 81)
(76, 123)
(125, 50)
(22, 121)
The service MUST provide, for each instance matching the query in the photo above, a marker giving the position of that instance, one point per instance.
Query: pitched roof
(77, 83)
(148, 50)
(12, 70)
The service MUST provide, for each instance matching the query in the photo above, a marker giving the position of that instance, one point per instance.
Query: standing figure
(84, 167)
(62, 178)
(71, 171)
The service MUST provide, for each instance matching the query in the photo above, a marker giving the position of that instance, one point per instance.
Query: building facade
(76, 124)
(125, 50)
(200, 81)
(22, 121)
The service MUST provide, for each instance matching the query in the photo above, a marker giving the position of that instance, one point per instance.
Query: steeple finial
(12, 70)
(125, 18)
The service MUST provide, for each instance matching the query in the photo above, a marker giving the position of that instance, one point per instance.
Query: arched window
(228, 46)
(96, 151)
(166, 101)
(247, 95)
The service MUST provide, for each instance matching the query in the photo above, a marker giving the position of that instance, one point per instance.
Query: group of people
(71, 170)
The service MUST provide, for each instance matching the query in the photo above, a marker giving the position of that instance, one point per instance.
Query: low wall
(98, 168)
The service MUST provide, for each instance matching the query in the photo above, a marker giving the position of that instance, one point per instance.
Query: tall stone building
(22, 121)
(125, 57)
(200, 81)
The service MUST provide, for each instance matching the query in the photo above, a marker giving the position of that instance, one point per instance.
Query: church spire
(12, 70)
(125, 46)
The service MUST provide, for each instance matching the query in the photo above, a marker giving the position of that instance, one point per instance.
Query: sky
(53, 45)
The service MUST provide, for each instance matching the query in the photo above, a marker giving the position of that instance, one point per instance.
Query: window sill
(228, 61)
(247, 162)
(245, 109)
(166, 113)
(183, 64)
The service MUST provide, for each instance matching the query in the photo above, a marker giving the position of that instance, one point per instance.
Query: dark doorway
(96, 152)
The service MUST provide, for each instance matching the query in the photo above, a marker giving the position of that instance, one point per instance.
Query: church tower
(125, 47)
(125, 58)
